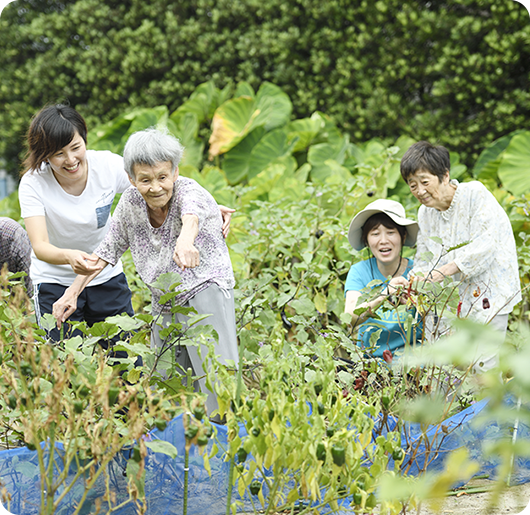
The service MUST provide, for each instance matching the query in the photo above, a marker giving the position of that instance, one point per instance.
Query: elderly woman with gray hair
(170, 224)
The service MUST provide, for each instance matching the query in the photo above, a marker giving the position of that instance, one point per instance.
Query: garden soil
(512, 501)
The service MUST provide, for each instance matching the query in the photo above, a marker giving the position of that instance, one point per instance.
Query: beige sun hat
(389, 207)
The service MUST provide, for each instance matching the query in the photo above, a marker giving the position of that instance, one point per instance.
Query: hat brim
(356, 228)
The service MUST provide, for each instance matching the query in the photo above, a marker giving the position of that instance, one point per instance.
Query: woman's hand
(186, 255)
(396, 286)
(65, 306)
(226, 213)
(81, 262)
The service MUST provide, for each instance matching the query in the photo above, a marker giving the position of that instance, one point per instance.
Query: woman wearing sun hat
(381, 226)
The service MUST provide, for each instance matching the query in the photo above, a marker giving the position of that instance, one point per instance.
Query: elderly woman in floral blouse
(171, 224)
(458, 213)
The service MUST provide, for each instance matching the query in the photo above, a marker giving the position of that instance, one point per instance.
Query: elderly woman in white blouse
(457, 213)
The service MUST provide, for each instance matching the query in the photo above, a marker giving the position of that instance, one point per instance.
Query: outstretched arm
(352, 299)
(67, 304)
(81, 262)
(186, 254)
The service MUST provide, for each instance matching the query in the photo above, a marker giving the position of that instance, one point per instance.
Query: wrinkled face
(428, 189)
(385, 244)
(70, 163)
(155, 183)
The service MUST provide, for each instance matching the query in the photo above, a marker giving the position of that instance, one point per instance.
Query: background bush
(452, 72)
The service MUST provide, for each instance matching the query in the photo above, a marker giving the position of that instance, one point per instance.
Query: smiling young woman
(66, 194)
(384, 229)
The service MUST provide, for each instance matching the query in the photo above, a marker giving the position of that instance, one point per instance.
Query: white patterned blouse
(488, 263)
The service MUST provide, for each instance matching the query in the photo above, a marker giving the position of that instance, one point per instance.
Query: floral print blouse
(152, 248)
(488, 263)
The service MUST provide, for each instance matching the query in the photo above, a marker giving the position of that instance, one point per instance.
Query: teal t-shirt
(393, 335)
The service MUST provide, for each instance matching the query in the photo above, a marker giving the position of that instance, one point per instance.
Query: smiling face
(155, 184)
(430, 191)
(69, 164)
(385, 244)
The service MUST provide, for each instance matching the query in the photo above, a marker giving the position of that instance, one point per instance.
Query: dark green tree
(455, 72)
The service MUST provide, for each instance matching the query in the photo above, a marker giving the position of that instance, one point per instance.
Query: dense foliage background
(452, 72)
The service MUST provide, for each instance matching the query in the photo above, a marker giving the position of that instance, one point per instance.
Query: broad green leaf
(114, 134)
(321, 302)
(489, 160)
(186, 130)
(306, 130)
(232, 121)
(48, 322)
(237, 160)
(214, 180)
(270, 147)
(195, 319)
(514, 167)
(275, 106)
(404, 143)
(319, 155)
(457, 171)
(264, 182)
(304, 306)
(236, 118)
(244, 89)
(163, 447)
(125, 322)
(202, 103)
(167, 282)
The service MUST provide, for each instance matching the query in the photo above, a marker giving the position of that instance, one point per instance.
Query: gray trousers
(219, 304)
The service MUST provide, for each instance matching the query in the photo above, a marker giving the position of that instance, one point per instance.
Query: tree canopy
(452, 72)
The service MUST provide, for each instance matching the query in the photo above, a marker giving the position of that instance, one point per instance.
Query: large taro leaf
(267, 180)
(319, 155)
(236, 118)
(237, 161)
(271, 146)
(214, 180)
(186, 130)
(514, 168)
(306, 130)
(202, 102)
(274, 105)
(114, 134)
(487, 165)
(232, 122)
(244, 89)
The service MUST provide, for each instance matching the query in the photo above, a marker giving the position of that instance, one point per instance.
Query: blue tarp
(164, 480)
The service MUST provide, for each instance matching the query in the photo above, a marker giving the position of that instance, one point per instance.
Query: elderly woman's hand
(186, 255)
(65, 306)
(226, 213)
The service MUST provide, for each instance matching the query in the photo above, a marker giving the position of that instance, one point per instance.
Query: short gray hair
(150, 147)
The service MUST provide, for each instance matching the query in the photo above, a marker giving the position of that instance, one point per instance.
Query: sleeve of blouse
(116, 242)
(486, 232)
(195, 200)
(22, 247)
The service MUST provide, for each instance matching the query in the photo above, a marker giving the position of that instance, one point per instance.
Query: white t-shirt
(74, 222)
